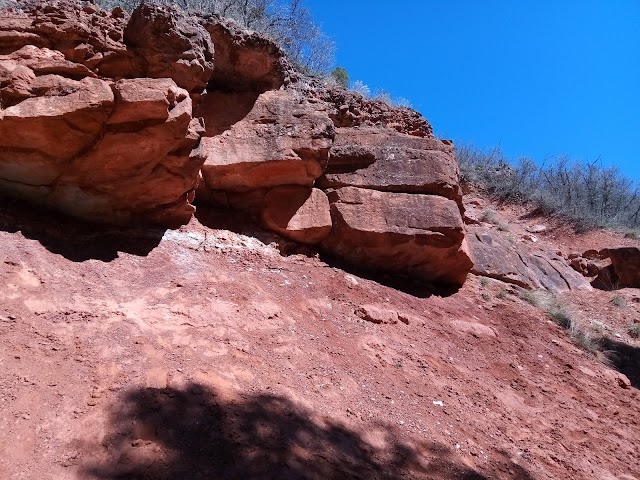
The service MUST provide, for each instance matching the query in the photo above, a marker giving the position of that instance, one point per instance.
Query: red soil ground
(207, 353)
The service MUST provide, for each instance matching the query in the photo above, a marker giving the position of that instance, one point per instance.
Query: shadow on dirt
(164, 434)
(75, 239)
(221, 218)
(624, 358)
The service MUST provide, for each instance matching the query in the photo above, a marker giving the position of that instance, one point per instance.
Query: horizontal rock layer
(419, 235)
(97, 120)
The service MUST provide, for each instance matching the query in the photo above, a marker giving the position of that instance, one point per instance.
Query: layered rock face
(80, 132)
(125, 119)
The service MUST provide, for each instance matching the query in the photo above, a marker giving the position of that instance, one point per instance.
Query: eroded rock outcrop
(245, 61)
(171, 44)
(124, 119)
(415, 234)
(383, 159)
(75, 137)
(526, 266)
(283, 140)
(624, 271)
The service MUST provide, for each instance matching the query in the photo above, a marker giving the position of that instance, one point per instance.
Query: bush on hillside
(589, 195)
(341, 77)
(287, 22)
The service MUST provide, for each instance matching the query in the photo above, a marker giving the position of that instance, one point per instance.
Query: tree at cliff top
(288, 22)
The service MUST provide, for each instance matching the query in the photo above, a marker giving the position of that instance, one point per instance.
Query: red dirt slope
(206, 353)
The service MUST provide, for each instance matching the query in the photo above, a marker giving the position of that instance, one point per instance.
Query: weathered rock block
(519, 264)
(284, 140)
(245, 61)
(172, 45)
(419, 235)
(298, 213)
(116, 153)
(83, 33)
(383, 159)
(624, 271)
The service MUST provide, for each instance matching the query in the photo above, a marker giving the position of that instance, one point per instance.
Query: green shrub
(634, 330)
(341, 77)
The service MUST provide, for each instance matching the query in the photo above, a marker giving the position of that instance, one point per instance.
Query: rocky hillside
(213, 267)
(129, 120)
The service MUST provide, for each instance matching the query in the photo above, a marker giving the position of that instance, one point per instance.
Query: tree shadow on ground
(192, 433)
(74, 239)
(624, 358)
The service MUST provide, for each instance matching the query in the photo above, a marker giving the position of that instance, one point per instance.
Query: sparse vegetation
(381, 95)
(288, 22)
(582, 339)
(634, 330)
(589, 195)
(484, 282)
(536, 298)
(502, 294)
(562, 317)
(635, 234)
(489, 216)
(618, 301)
(486, 297)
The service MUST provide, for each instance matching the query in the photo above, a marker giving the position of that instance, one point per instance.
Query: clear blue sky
(538, 77)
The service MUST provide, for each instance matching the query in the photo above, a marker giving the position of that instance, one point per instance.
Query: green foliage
(634, 330)
(589, 195)
(341, 77)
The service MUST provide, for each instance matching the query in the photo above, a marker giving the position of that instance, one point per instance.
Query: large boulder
(414, 234)
(172, 45)
(77, 133)
(118, 153)
(283, 140)
(383, 159)
(298, 213)
(624, 271)
(245, 61)
(494, 256)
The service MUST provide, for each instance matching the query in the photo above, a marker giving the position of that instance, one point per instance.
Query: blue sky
(536, 77)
